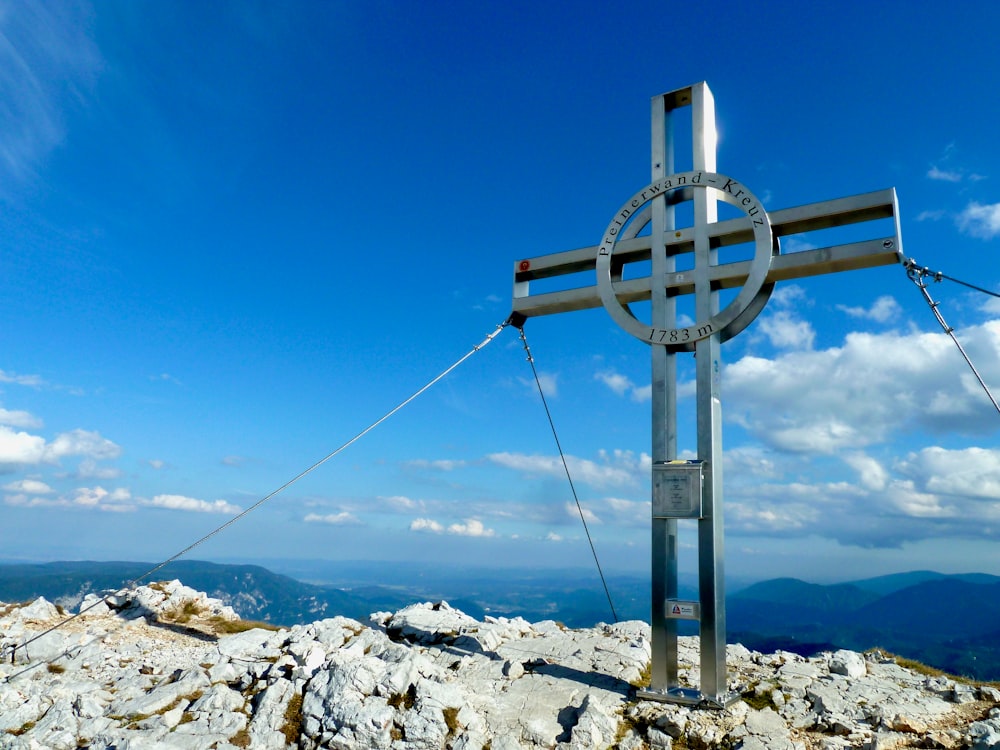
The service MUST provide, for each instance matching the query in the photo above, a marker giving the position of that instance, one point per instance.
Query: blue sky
(235, 234)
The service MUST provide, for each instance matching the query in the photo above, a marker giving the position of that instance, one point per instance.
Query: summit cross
(644, 231)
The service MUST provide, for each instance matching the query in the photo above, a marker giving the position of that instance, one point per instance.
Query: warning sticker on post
(680, 610)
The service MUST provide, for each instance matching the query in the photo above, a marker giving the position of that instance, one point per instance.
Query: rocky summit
(166, 667)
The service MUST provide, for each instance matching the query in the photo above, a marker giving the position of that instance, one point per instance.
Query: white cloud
(969, 472)
(36, 495)
(20, 448)
(934, 493)
(20, 419)
(548, 381)
(623, 385)
(334, 519)
(628, 512)
(402, 503)
(935, 215)
(884, 309)
(439, 465)
(787, 295)
(751, 461)
(979, 220)
(795, 245)
(785, 330)
(871, 473)
(617, 382)
(865, 391)
(29, 486)
(944, 175)
(46, 53)
(233, 461)
(426, 524)
(118, 500)
(471, 527)
(617, 469)
(553, 537)
(30, 380)
(23, 449)
(588, 515)
(89, 469)
(81, 443)
(180, 502)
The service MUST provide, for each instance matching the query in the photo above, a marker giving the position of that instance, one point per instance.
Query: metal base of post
(690, 697)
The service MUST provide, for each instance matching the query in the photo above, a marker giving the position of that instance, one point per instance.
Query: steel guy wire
(917, 275)
(531, 361)
(129, 585)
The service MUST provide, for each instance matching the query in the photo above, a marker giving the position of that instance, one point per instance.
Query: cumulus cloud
(117, 500)
(19, 448)
(23, 449)
(970, 472)
(934, 493)
(334, 519)
(871, 473)
(623, 385)
(401, 502)
(884, 309)
(470, 527)
(980, 220)
(588, 515)
(553, 537)
(29, 486)
(752, 461)
(861, 393)
(426, 524)
(788, 295)
(785, 330)
(180, 502)
(81, 443)
(20, 419)
(37, 495)
(622, 511)
(616, 469)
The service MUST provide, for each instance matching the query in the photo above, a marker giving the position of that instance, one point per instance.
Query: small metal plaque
(677, 489)
(682, 610)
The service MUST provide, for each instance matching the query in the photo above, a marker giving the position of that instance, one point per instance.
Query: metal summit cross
(643, 233)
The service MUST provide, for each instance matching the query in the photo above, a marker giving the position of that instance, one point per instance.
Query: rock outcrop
(167, 668)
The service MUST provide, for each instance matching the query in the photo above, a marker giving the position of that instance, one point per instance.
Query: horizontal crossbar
(882, 251)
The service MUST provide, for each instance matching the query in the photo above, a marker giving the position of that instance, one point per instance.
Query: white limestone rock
(848, 663)
(429, 676)
(429, 623)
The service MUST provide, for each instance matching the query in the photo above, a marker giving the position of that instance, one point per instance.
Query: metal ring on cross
(631, 219)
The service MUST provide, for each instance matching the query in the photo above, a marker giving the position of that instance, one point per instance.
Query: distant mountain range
(948, 621)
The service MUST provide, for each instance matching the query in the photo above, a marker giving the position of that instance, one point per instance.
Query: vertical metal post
(664, 563)
(711, 585)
